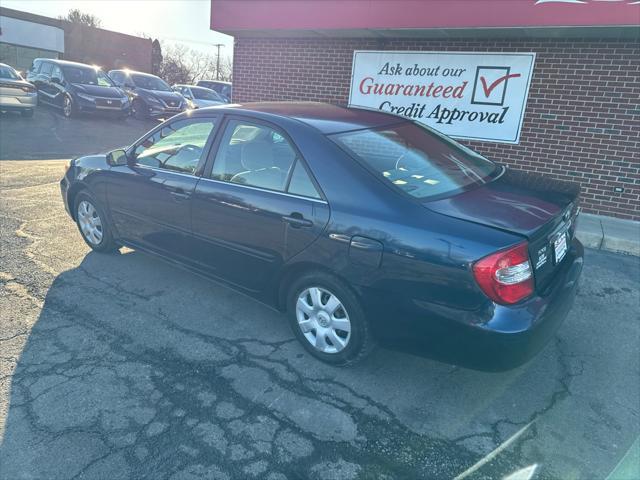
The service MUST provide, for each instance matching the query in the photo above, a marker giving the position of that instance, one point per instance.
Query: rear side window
(421, 163)
(301, 184)
(258, 156)
(254, 155)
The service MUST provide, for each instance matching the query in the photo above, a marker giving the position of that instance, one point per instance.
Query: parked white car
(199, 97)
(16, 94)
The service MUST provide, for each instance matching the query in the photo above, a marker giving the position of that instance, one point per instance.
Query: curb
(608, 233)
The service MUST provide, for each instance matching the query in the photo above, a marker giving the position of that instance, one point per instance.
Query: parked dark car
(361, 225)
(224, 89)
(76, 87)
(150, 95)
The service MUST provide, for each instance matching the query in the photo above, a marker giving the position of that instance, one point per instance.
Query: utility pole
(218, 60)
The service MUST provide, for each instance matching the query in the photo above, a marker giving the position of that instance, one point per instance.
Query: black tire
(360, 342)
(27, 113)
(106, 243)
(71, 110)
(139, 110)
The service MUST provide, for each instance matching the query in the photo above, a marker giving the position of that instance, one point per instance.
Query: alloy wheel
(66, 108)
(90, 222)
(323, 320)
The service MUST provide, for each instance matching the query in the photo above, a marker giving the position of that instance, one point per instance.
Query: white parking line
(493, 454)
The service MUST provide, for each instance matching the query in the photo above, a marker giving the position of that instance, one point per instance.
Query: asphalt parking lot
(122, 366)
(50, 135)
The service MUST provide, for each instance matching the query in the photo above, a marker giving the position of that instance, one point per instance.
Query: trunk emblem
(542, 257)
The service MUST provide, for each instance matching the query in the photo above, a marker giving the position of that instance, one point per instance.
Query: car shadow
(136, 368)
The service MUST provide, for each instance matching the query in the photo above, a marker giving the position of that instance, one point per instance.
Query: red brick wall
(581, 124)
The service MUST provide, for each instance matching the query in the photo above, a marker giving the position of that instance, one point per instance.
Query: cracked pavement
(123, 366)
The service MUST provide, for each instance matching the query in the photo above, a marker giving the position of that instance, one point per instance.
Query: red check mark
(487, 90)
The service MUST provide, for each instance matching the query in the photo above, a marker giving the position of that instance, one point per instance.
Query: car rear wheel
(93, 224)
(67, 107)
(327, 318)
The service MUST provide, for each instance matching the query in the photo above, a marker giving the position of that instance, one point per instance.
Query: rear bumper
(18, 102)
(498, 337)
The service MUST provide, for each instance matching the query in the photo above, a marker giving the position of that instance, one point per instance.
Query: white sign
(30, 34)
(475, 96)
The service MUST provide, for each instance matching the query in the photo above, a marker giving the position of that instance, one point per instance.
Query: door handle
(296, 220)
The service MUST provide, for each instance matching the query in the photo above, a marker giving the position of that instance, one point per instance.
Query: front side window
(416, 160)
(178, 147)
(258, 156)
(56, 73)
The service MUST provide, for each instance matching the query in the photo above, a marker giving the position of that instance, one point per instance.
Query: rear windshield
(418, 161)
(205, 94)
(8, 73)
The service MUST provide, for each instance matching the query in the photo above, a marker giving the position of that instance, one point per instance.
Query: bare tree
(181, 64)
(75, 15)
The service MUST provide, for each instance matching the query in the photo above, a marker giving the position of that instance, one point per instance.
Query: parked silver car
(16, 94)
(199, 97)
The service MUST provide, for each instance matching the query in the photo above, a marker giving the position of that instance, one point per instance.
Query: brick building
(25, 36)
(581, 116)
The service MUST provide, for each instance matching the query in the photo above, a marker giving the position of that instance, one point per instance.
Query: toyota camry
(363, 226)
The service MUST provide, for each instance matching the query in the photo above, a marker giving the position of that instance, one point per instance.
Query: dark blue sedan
(361, 225)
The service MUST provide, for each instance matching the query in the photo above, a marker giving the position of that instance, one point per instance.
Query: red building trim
(233, 16)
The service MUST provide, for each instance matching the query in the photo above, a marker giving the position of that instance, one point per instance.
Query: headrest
(256, 155)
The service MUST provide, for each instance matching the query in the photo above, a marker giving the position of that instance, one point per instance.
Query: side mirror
(117, 158)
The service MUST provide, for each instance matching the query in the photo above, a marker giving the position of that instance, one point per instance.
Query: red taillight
(506, 276)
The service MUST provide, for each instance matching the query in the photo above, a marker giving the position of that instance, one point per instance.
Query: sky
(174, 21)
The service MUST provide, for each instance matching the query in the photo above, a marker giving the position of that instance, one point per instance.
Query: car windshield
(149, 82)
(86, 76)
(416, 160)
(205, 94)
(8, 73)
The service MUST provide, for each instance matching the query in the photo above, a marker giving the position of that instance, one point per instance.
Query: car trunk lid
(538, 208)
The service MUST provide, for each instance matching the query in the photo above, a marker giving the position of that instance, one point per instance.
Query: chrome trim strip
(317, 200)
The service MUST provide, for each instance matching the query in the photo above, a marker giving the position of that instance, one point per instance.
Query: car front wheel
(67, 107)
(93, 224)
(327, 318)
(139, 109)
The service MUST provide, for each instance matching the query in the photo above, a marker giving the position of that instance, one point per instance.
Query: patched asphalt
(123, 366)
